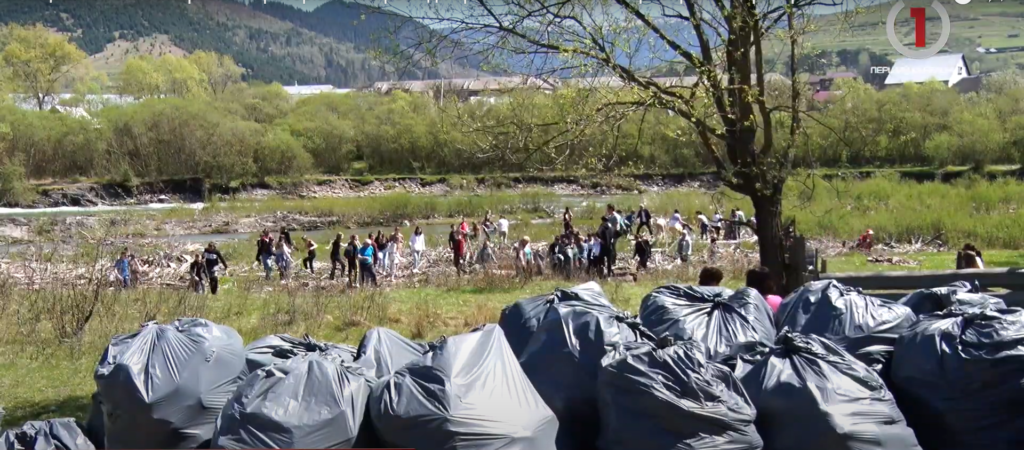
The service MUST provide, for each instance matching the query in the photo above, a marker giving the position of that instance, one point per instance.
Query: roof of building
(937, 68)
(309, 89)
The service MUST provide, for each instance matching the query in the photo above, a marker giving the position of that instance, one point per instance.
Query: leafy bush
(15, 189)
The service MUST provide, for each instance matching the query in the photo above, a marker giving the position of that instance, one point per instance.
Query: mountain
(271, 49)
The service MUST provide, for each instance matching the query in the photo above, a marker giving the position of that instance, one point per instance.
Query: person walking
(459, 252)
(643, 218)
(265, 252)
(352, 256)
(418, 242)
(567, 220)
(524, 257)
(196, 272)
(704, 225)
(608, 235)
(336, 260)
(307, 262)
(122, 268)
(503, 229)
(134, 270)
(213, 259)
(642, 251)
(366, 263)
(395, 246)
(283, 258)
(380, 246)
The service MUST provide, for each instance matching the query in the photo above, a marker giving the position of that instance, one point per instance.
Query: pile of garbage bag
(383, 351)
(864, 326)
(162, 387)
(312, 400)
(928, 301)
(668, 395)
(563, 357)
(736, 328)
(53, 434)
(467, 392)
(959, 378)
(520, 320)
(810, 394)
(280, 347)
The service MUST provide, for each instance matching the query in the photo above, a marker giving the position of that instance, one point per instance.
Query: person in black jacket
(336, 260)
(642, 250)
(351, 254)
(286, 236)
(265, 252)
(196, 273)
(213, 258)
(643, 218)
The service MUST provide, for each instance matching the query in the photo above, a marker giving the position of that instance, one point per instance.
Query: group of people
(270, 252)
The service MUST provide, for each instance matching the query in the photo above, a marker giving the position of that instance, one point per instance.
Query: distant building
(822, 84)
(297, 91)
(949, 68)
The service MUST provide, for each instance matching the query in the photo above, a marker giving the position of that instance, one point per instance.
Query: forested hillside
(270, 49)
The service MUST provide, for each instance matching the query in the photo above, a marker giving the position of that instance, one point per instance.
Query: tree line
(196, 117)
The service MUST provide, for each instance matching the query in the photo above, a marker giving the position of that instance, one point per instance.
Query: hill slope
(271, 49)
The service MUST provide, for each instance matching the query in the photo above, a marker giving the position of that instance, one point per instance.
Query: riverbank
(193, 190)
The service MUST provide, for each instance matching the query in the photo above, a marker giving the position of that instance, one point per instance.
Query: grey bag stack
(163, 386)
(466, 393)
(810, 394)
(313, 400)
(53, 434)
(928, 301)
(959, 378)
(668, 396)
(567, 335)
(736, 328)
(864, 326)
(268, 350)
(383, 351)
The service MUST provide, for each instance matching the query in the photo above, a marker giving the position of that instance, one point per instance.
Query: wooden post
(824, 266)
(796, 264)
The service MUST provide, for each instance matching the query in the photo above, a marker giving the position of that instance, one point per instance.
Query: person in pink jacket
(760, 280)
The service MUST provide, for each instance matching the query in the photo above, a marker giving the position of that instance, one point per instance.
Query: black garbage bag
(563, 359)
(927, 301)
(667, 396)
(278, 347)
(736, 328)
(810, 394)
(466, 393)
(519, 320)
(313, 400)
(53, 434)
(959, 377)
(162, 387)
(864, 326)
(94, 423)
(382, 351)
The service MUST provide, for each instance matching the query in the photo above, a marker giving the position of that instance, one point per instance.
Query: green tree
(221, 70)
(40, 63)
(182, 79)
(141, 78)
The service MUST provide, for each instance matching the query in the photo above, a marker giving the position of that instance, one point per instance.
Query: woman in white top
(419, 243)
(283, 258)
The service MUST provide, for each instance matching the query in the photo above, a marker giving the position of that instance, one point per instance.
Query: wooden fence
(1007, 284)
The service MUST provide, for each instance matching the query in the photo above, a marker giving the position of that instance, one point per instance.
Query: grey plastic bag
(94, 422)
(383, 351)
(313, 400)
(563, 359)
(736, 328)
(466, 393)
(668, 396)
(864, 326)
(278, 347)
(927, 301)
(810, 394)
(53, 434)
(162, 387)
(519, 320)
(959, 377)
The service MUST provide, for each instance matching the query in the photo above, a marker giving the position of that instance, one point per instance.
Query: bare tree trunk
(771, 243)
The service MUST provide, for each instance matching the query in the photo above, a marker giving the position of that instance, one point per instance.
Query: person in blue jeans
(366, 263)
(123, 269)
